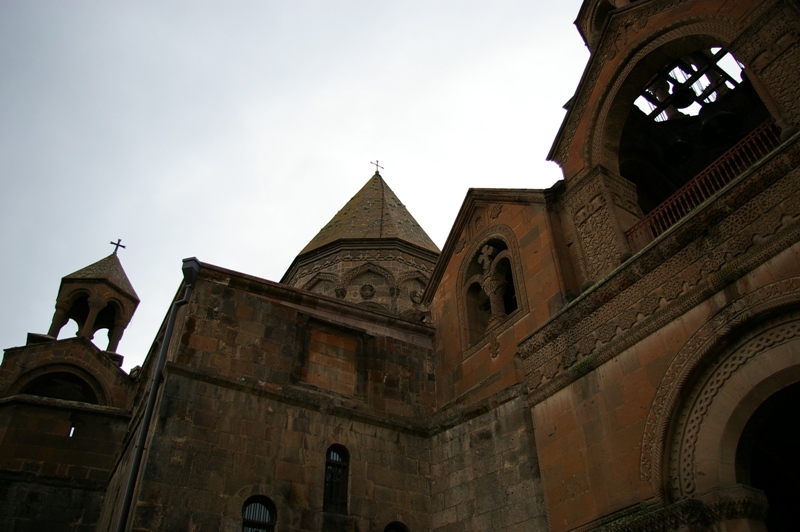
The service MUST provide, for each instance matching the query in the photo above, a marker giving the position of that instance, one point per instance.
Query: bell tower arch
(96, 297)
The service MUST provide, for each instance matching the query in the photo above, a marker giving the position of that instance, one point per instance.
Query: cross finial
(376, 165)
(117, 245)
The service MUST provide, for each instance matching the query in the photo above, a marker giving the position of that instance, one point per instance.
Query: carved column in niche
(601, 206)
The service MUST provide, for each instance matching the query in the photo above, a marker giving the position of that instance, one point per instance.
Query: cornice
(359, 245)
(312, 303)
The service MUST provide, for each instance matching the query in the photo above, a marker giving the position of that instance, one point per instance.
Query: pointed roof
(107, 269)
(374, 212)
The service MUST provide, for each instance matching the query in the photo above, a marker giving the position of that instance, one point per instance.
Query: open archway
(767, 458)
(735, 408)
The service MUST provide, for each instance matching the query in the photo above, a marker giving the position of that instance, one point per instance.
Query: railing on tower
(732, 163)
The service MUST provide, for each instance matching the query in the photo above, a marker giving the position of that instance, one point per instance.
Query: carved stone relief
(660, 285)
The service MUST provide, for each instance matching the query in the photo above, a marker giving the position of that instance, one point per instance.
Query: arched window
(62, 385)
(692, 115)
(490, 291)
(395, 526)
(336, 472)
(258, 514)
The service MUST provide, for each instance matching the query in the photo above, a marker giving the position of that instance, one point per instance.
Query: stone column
(96, 304)
(601, 206)
(115, 335)
(60, 318)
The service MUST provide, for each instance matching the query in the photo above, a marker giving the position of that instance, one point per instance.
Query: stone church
(618, 352)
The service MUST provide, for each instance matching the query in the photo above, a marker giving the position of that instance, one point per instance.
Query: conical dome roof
(374, 212)
(107, 269)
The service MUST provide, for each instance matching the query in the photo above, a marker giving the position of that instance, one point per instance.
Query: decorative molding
(709, 249)
(685, 514)
(702, 352)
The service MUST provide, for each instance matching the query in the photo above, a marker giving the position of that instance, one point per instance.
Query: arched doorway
(767, 457)
(731, 442)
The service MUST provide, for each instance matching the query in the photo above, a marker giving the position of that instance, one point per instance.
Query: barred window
(336, 472)
(258, 514)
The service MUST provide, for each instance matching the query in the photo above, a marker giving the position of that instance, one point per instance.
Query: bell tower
(678, 100)
(99, 296)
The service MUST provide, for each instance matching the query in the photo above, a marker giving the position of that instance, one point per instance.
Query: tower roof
(374, 212)
(107, 269)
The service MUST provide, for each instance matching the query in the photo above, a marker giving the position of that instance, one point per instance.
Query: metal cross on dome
(117, 245)
(376, 165)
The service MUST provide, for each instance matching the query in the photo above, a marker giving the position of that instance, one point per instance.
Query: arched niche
(491, 287)
(326, 284)
(61, 381)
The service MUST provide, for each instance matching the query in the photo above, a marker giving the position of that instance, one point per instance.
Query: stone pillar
(115, 335)
(601, 206)
(60, 318)
(495, 288)
(96, 304)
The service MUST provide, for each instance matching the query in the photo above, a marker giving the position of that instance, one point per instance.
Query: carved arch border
(321, 277)
(506, 234)
(348, 277)
(419, 276)
(59, 367)
(732, 319)
(606, 122)
(761, 362)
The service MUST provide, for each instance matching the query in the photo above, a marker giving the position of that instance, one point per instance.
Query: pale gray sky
(233, 131)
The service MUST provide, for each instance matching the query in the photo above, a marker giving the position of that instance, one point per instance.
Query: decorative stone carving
(367, 291)
(679, 270)
(782, 293)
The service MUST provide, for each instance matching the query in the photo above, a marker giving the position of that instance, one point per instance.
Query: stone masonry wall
(485, 474)
(216, 443)
(239, 330)
(53, 478)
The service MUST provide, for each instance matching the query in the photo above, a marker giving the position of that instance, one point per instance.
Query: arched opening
(767, 458)
(258, 514)
(689, 114)
(490, 293)
(503, 270)
(61, 385)
(336, 474)
(396, 526)
(79, 311)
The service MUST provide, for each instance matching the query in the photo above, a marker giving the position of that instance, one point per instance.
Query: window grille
(336, 473)
(258, 515)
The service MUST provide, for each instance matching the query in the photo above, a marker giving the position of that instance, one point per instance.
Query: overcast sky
(233, 131)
